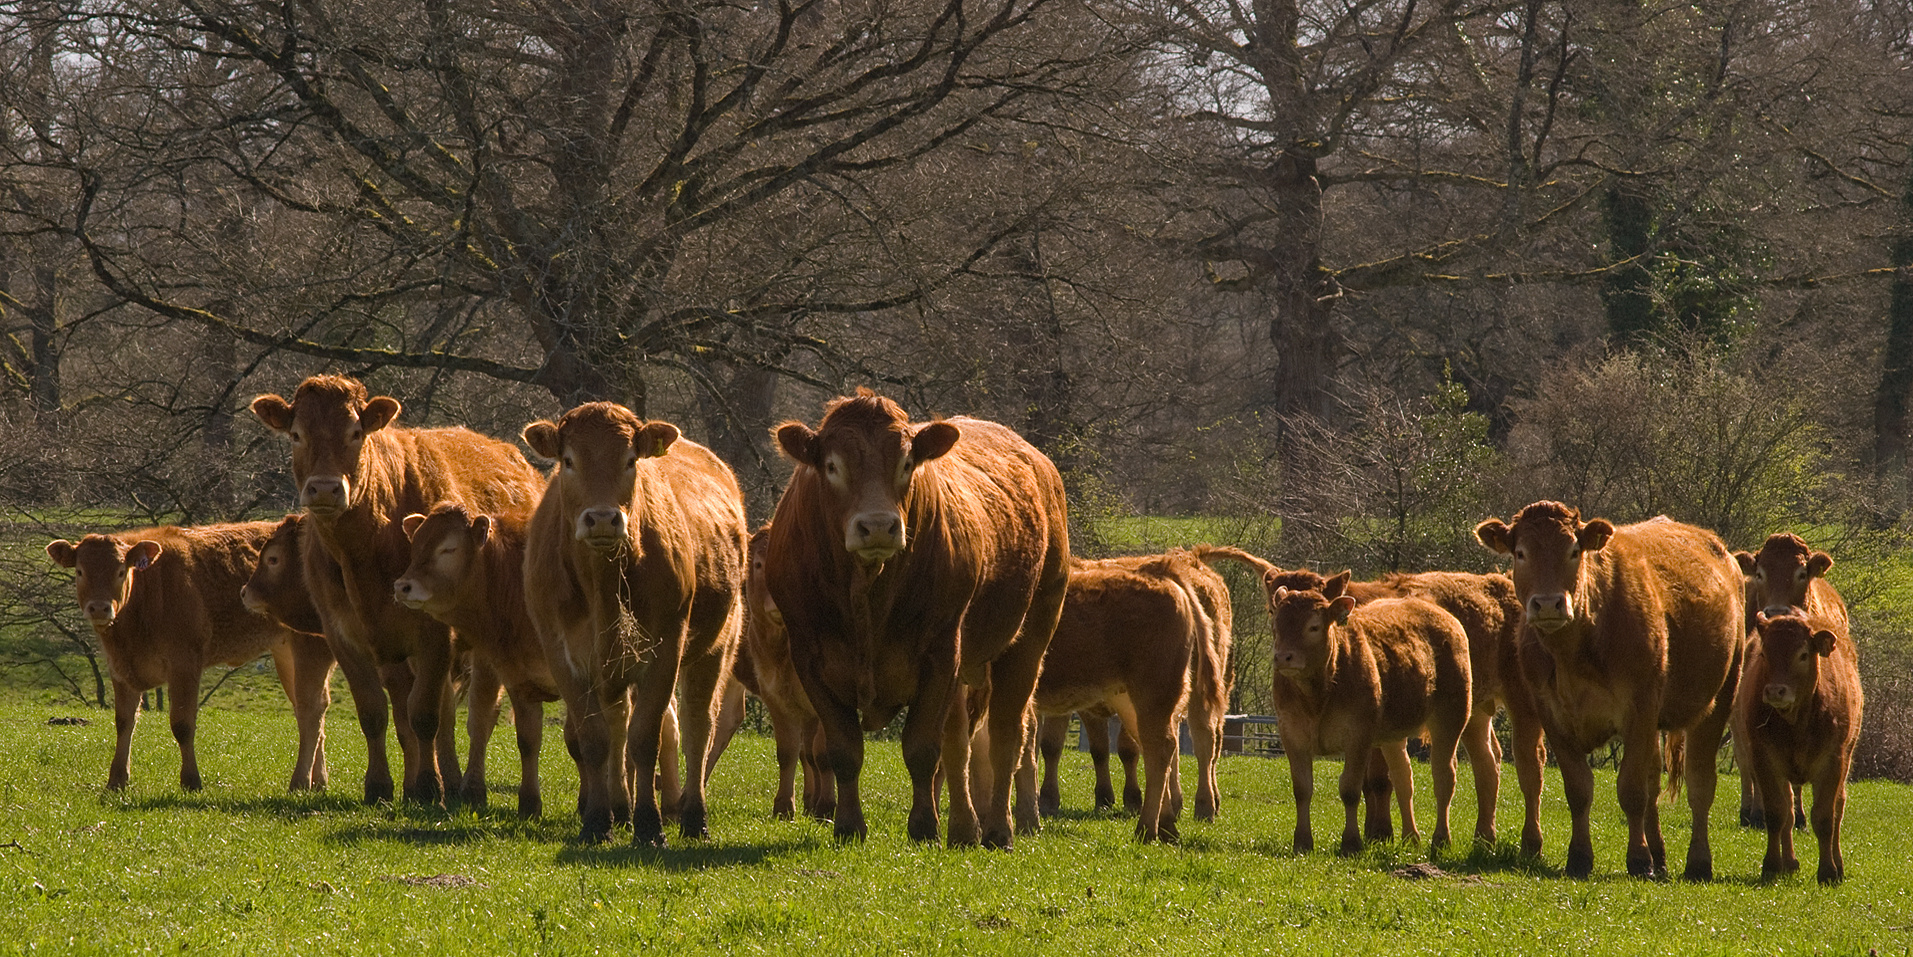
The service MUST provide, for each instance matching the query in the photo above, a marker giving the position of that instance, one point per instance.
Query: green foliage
(1397, 490)
(1693, 438)
(244, 868)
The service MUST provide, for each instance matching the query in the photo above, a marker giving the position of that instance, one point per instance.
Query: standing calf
(165, 604)
(1350, 678)
(1799, 716)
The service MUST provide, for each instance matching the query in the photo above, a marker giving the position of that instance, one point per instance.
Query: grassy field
(244, 868)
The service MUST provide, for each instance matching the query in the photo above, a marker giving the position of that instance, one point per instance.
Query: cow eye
(830, 468)
(1521, 554)
(570, 463)
(355, 435)
(297, 437)
(272, 560)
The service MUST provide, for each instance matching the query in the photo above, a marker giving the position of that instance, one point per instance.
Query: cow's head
(277, 588)
(759, 607)
(104, 567)
(1302, 621)
(598, 446)
(1793, 650)
(327, 420)
(1546, 541)
(866, 452)
(1782, 571)
(445, 548)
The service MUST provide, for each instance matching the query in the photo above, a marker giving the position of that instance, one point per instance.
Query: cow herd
(923, 569)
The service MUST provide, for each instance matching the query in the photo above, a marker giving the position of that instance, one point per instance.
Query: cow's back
(187, 605)
(1665, 592)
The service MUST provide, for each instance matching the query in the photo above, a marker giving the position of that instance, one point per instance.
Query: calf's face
(327, 421)
(104, 567)
(1792, 649)
(1547, 541)
(866, 451)
(1302, 620)
(277, 577)
(1782, 572)
(758, 604)
(445, 548)
(598, 446)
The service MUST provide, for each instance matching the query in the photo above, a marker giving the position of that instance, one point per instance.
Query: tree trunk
(1629, 301)
(1308, 348)
(734, 425)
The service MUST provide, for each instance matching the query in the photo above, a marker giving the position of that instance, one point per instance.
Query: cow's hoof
(1105, 798)
(1304, 841)
(378, 792)
(997, 838)
(1580, 863)
(855, 831)
(1831, 874)
(692, 824)
(922, 825)
(1351, 845)
(530, 804)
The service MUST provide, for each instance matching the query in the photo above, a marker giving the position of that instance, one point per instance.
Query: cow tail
(1674, 756)
(1208, 554)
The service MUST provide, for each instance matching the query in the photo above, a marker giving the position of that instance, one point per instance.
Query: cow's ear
(411, 523)
(379, 413)
(1496, 535)
(542, 436)
(1338, 585)
(1594, 535)
(655, 439)
(797, 442)
(482, 529)
(62, 553)
(274, 411)
(1746, 562)
(1339, 609)
(933, 440)
(1818, 564)
(142, 555)
(1281, 592)
(1823, 642)
(1760, 620)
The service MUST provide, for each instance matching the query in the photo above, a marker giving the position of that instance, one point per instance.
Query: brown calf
(277, 588)
(1130, 637)
(1349, 678)
(468, 572)
(165, 605)
(765, 668)
(358, 476)
(1630, 631)
(1785, 574)
(1799, 716)
(634, 579)
(907, 558)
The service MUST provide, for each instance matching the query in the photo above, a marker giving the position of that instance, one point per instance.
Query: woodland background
(1331, 280)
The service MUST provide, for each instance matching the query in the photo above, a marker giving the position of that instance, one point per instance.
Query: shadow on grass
(686, 855)
(285, 806)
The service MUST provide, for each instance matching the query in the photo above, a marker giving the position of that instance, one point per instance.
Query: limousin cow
(358, 476)
(467, 571)
(1629, 631)
(1349, 678)
(1490, 613)
(1786, 574)
(765, 668)
(165, 605)
(634, 580)
(1798, 714)
(908, 558)
(1131, 637)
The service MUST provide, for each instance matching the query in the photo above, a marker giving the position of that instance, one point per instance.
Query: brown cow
(1491, 615)
(1131, 637)
(907, 558)
(634, 578)
(1786, 574)
(1799, 715)
(765, 668)
(1631, 631)
(358, 476)
(165, 605)
(468, 572)
(1348, 679)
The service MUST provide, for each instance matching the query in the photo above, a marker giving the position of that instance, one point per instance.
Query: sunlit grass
(243, 867)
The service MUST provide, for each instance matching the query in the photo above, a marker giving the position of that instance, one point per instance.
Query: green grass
(242, 868)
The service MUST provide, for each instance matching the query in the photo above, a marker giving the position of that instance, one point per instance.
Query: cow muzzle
(325, 494)
(1779, 697)
(1550, 613)
(874, 536)
(1288, 663)
(411, 593)
(100, 612)
(603, 528)
(253, 602)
